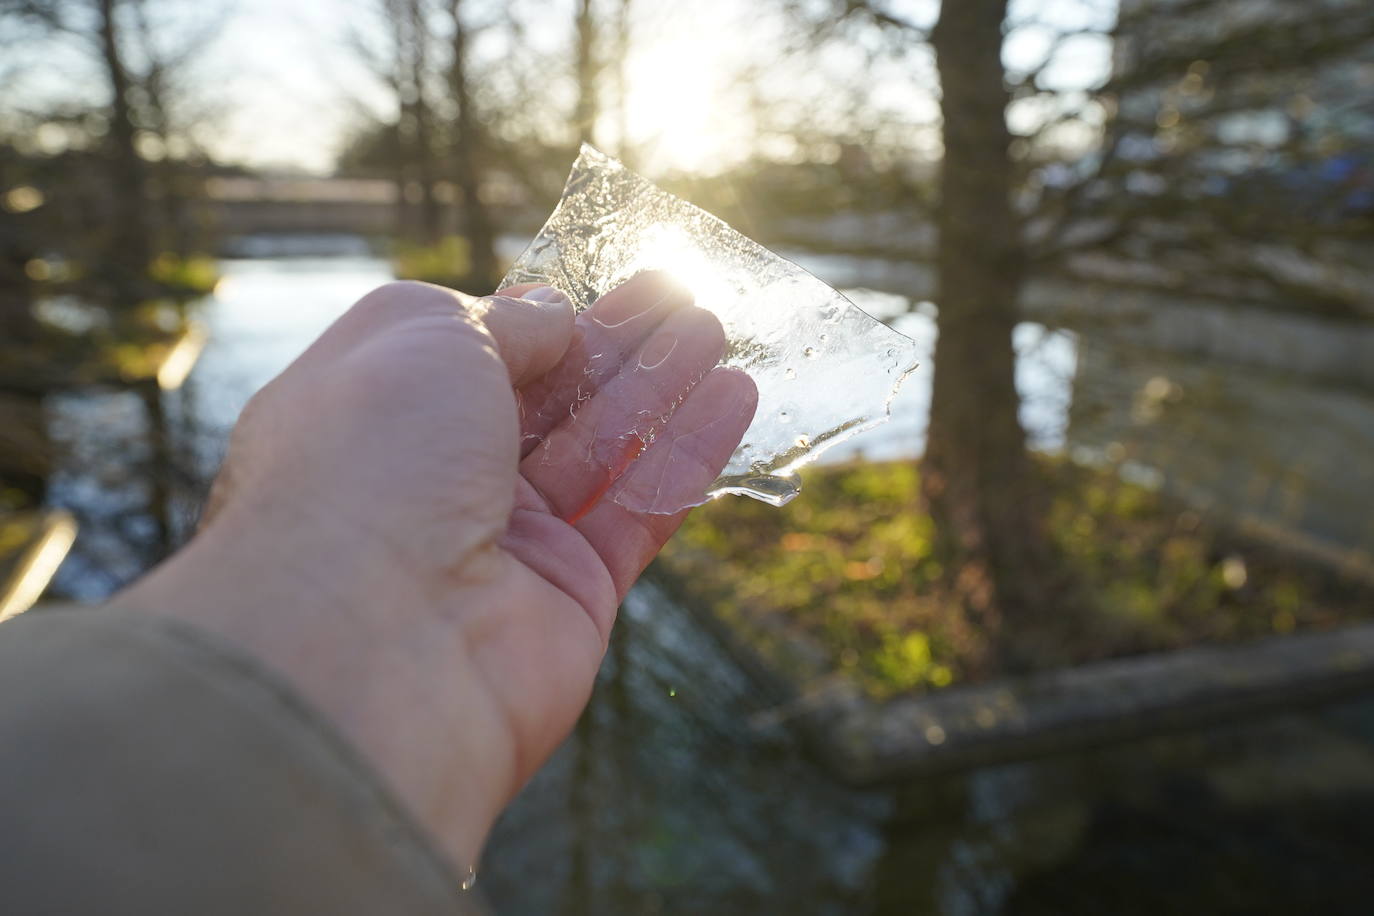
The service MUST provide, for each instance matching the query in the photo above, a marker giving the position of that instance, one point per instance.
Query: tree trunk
(394, 13)
(978, 481)
(622, 86)
(173, 230)
(396, 144)
(130, 249)
(587, 111)
(178, 233)
(477, 222)
(16, 249)
(431, 216)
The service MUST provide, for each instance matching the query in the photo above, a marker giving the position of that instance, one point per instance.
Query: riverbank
(849, 571)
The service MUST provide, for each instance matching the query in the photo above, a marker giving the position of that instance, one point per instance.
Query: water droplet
(809, 353)
(821, 338)
(469, 880)
(790, 373)
(784, 416)
(774, 490)
(672, 691)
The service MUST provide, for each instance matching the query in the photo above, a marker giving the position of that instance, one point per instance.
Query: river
(265, 311)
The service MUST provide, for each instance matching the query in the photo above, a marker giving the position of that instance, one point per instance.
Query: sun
(683, 112)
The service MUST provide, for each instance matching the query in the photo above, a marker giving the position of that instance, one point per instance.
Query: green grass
(194, 275)
(447, 262)
(851, 565)
(172, 275)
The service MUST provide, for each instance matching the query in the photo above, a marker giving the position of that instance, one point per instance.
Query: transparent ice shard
(825, 369)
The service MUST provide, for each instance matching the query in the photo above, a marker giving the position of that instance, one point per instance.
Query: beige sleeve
(147, 769)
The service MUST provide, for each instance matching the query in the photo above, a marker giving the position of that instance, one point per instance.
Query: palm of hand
(491, 484)
(423, 523)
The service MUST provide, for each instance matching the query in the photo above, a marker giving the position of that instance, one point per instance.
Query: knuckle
(406, 297)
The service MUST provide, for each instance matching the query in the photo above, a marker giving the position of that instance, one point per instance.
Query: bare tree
(621, 58)
(148, 100)
(403, 61)
(978, 482)
(1231, 158)
(468, 150)
(418, 110)
(977, 478)
(131, 247)
(601, 46)
(170, 111)
(1225, 152)
(588, 72)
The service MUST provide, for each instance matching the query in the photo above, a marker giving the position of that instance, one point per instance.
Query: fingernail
(657, 350)
(741, 395)
(544, 294)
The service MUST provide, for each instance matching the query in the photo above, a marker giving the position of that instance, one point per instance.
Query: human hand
(416, 528)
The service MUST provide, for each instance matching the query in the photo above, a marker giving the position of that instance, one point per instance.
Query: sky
(299, 88)
(294, 87)
(287, 89)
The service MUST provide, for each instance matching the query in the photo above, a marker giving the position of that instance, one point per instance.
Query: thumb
(532, 331)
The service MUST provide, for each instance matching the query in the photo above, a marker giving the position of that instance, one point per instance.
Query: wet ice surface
(824, 368)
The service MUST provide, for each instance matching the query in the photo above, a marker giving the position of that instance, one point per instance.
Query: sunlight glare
(667, 248)
(682, 112)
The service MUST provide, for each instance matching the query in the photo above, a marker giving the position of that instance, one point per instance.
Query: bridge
(248, 206)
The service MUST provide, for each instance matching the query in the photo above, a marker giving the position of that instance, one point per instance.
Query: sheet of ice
(825, 369)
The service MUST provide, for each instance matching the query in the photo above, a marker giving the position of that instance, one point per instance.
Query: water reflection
(261, 316)
(1045, 368)
(674, 795)
(675, 804)
(671, 797)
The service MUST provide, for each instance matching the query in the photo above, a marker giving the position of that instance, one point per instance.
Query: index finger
(603, 337)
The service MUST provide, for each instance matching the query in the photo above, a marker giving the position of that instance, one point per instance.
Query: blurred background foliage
(857, 571)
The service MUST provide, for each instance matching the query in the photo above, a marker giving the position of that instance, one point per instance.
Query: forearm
(360, 644)
(147, 767)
